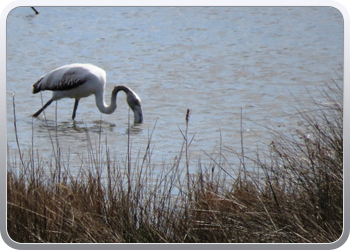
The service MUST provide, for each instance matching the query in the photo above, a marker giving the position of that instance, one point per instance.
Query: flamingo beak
(134, 103)
(138, 116)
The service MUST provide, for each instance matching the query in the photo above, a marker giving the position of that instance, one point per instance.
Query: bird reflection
(96, 126)
(134, 129)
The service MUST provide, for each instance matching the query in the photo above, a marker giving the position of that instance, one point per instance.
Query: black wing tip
(35, 90)
(36, 86)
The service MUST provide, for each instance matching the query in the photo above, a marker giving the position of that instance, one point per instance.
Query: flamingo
(82, 80)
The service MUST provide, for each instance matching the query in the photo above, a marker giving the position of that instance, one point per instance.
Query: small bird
(82, 80)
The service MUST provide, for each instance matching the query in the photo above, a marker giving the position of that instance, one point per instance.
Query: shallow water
(211, 60)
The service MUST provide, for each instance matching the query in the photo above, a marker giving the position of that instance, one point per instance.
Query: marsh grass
(295, 195)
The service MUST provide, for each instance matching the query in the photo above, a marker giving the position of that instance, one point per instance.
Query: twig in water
(242, 148)
(129, 158)
(36, 12)
(186, 155)
(15, 126)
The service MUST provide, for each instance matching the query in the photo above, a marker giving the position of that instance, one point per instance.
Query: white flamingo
(82, 80)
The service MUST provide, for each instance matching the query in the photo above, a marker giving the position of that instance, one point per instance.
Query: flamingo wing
(64, 78)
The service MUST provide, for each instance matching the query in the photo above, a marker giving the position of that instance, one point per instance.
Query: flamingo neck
(103, 107)
(109, 109)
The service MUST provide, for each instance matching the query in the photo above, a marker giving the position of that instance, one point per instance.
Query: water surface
(214, 61)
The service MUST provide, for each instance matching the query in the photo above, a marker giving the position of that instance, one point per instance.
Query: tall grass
(299, 198)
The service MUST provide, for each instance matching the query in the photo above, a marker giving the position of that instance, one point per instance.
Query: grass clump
(295, 194)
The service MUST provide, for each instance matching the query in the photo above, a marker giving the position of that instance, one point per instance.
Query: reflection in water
(96, 126)
(66, 127)
(78, 138)
(134, 129)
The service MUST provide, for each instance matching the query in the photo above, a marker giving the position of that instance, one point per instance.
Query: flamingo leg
(76, 103)
(44, 107)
